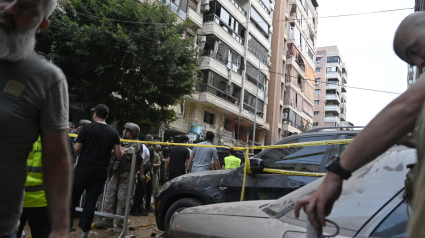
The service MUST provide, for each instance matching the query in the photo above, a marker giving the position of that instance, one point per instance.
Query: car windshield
(363, 194)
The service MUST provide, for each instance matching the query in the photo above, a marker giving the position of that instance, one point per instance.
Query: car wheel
(178, 205)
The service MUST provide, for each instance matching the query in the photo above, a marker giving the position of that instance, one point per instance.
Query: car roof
(363, 195)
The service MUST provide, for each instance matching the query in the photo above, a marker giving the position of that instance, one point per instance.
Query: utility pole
(256, 103)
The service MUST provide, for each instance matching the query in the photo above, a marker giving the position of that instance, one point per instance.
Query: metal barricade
(127, 203)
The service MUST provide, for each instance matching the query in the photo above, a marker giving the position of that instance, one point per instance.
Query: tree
(126, 54)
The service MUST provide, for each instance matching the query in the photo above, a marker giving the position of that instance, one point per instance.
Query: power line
(288, 75)
(160, 23)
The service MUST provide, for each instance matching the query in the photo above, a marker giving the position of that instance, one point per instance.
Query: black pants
(93, 184)
(38, 220)
(142, 189)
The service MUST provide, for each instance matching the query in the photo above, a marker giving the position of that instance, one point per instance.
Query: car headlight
(166, 186)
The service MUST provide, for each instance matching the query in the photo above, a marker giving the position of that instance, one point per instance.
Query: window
(252, 76)
(316, 102)
(410, 81)
(259, 22)
(395, 224)
(256, 48)
(315, 123)
(342, 147)
(249, 103)
(318, 70)
(333, 59)
(317, 91)
(316, 113)
(305, 159)
(319, 59)
(317, 81)
(193, 4)
(331, 70)
(209, 118)
(178, 6)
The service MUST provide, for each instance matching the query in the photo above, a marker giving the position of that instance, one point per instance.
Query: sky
(365, 43)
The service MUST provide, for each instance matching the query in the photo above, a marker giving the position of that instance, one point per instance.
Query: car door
(302, 159)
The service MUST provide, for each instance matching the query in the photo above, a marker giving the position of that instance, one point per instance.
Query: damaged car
(371, 205)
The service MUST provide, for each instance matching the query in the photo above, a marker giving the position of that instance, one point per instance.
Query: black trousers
(38, 220)
(142, 189)
(93, 183)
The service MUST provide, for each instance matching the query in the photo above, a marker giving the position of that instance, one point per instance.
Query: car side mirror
(256, 165)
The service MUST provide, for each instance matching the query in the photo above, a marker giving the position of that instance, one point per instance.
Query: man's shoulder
(44, 68)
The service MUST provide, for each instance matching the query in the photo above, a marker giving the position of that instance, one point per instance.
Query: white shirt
(145, 155)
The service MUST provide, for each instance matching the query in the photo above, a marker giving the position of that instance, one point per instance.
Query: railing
(252, 110)
(264, 6)
(254, 81)
(217, 92)
(239, 7)
(225, 27)
(210, 53)
(257, 55)
(175, 9)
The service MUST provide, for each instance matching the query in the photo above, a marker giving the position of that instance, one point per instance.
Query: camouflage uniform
(120, 180)
(155, 173)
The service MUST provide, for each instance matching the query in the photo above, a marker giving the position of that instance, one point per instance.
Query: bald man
(405, 112)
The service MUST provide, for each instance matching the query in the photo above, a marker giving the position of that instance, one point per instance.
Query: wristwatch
(335, 167)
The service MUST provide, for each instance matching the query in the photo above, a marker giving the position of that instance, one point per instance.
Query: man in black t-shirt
(94, 145)
(175, 164)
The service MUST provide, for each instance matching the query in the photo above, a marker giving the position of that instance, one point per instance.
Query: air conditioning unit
(269, 64)
(205, 5)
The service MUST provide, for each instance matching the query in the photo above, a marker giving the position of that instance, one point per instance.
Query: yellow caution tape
(148, 178)
(247, 168)
(289, 172)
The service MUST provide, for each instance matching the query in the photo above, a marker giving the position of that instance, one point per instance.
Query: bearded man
(33, 102)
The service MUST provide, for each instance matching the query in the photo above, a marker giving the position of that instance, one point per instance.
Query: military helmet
(135, 129)
(84, 121)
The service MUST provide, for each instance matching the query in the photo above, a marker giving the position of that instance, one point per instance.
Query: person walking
(93, 145)
(33, 102)
(116, 192)
(177, 159)
(231, 161)
(380, 134)
(201, 157)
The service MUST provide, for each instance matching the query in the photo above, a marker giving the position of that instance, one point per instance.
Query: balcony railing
(264, 6)
(239, 7)
(223, 60)
(217, 92)
(225, 27)
(257, 55)
(252, 110)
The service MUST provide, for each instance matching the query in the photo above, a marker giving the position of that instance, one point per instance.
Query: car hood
(245, 209)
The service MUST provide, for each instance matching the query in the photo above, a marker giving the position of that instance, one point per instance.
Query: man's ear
(43, 25)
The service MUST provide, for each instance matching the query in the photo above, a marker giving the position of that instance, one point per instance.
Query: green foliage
(146, 65)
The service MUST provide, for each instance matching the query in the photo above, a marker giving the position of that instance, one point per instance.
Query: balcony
(344, 89)
(344, 77)
(332, 108)
(264, 6)
(235, 67)
(238, 6)
(342, 117)
(332, 85)
(195, 17)
(334, 119)
(333, 97)
(218, 98)
(225, 27)
(344, 98)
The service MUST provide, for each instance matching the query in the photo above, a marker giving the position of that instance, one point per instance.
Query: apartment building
(235, 38)
(330, 94)
(291, 92)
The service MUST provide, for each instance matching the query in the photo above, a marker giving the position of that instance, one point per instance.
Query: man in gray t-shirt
(33, 102)
(200, 158)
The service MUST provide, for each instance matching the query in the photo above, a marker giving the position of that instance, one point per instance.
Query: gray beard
(15, 46)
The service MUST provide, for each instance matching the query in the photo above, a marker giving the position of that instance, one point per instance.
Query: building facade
(330, 95)
(235, 39)
(291, 93)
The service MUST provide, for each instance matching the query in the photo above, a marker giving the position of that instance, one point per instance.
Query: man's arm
(190, 162)
(118, 151)
(167, 162)
(57, 179)
(78, 147)
(389, 126)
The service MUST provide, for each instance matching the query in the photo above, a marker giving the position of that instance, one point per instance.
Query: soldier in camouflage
(155, 167)
(116, 193)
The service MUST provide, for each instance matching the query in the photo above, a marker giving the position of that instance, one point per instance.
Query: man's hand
(142, 177)
(409, 140)
(321, 200)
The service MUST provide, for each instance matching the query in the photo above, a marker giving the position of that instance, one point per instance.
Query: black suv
(209, 187)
